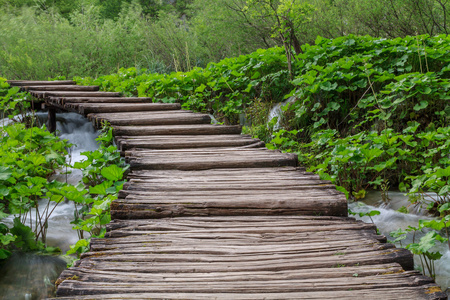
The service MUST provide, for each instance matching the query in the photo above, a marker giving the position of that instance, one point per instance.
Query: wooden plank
(226, 175)
(241, 223)
(281, 172)
(293, 285)
(45, 94)
(122, 242)
(179, 143)
(35, 83)
(428, 291)
(142, 211)
(87, 108)
(60, 88)
(189, 162)
(63, 100)
(244, 255)
(177, 130)
(362, 271)
(140, 117)
(188, 159)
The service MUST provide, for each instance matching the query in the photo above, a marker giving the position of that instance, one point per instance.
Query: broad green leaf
(421, 105)
(101, 188)
(112, 173)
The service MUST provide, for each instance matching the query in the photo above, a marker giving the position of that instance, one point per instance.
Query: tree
(282, 19)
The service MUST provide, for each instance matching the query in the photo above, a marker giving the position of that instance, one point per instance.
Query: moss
(433, 289)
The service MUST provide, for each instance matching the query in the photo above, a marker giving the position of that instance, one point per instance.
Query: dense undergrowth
(30, 156)
(365, 113)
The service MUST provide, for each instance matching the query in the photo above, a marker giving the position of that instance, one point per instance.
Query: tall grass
(37, 45)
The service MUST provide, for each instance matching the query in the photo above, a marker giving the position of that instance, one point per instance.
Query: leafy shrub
(103, 175)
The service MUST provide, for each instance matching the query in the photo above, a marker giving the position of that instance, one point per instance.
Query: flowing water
(390, 220)
(30, 276)
(277, 112)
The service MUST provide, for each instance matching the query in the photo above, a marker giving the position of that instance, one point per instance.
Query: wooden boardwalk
(208, 213)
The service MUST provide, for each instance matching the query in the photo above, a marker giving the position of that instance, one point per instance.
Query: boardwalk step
(63, 100)
(177, 130)
(203, 194)
(72, 88)
(245, 257)
(421, 292)
(45, 94)
(140, 117)
(184, 141)
(208, 159)
(34, 83)
(87, 108)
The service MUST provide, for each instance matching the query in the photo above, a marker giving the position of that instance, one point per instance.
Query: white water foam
(277, 111)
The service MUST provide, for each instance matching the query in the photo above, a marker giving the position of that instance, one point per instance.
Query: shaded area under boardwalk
(208, 213)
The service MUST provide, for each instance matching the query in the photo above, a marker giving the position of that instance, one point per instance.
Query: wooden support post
(51, 122)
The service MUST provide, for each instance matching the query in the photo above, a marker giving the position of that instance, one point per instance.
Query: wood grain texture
(45, 94)
(177, 130)
(60, 88)
(245, 257)
(141, 117)
(63, 100)
(185, 142)
(37, 82)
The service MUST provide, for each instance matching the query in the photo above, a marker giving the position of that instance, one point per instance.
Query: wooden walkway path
(208, 213)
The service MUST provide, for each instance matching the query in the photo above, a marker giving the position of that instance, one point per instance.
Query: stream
(29, 276)
(390, 220)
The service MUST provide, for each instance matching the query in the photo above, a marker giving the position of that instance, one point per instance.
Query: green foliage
(368, 112)
(436, 232)
(103, 175)
(365, 212)
(29, 156)
(367, 82)
(224, 89)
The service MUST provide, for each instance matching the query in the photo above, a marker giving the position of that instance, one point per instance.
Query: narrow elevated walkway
(208, 213)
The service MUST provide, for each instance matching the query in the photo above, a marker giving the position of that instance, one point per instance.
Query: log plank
(140, 118)
(45, 94)
(36, 82)
(88, 108)
(429, 292)
(64, 100)
(177, 130)
(60, 88)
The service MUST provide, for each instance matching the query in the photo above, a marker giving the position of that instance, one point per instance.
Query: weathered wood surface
(203, 159)
(232, 192)
(63, 100)
(209, 214)
(72, 88)
(141, 117)
(247, 257)
(420, 292)
(37, 82)
(202, 129)
(185, 141)
(45, 94)
(87, 108)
